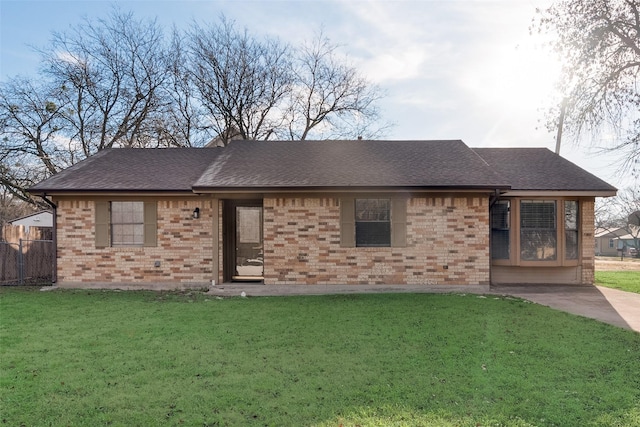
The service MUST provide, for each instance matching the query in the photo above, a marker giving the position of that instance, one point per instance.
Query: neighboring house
(324, 212)
(607, 241)
(613, 242)
(42, 220)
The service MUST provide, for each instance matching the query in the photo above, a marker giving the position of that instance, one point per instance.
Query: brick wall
(184, 248)
(447, 243)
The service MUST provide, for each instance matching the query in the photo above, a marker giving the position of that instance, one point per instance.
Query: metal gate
(28, 262)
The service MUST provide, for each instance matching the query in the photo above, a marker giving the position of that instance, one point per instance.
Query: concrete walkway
(607, 305)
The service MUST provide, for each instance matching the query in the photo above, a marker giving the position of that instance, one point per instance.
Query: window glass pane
(571, 229)
(372, 209)
(373, 234)
(571, 245)
(500, 244)
(500, 230)
(538, 234)
(127, 223)
(373, 225)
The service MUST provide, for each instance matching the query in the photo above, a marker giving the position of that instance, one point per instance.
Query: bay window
(535, 231)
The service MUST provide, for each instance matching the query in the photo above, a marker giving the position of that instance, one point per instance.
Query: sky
(450, 69)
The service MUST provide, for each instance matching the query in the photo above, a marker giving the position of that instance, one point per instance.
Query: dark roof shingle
(540, 169)
(341, 164)
(338, 165)
(132, 169)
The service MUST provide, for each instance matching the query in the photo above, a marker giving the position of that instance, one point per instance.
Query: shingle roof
(132, 169)
(352, 164)
(300, 165)
(540, 169)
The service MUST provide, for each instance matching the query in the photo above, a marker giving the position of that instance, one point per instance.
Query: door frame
(229, 237)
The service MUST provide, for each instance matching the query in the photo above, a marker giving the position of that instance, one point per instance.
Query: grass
(624, 280)
(89, 358)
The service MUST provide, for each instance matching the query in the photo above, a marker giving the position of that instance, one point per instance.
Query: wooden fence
(26, 256)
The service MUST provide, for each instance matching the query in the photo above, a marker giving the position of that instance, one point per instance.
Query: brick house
(323, 212)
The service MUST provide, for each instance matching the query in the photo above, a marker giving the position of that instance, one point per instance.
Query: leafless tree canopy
(599, 42)
(241, 81)
(122, 82)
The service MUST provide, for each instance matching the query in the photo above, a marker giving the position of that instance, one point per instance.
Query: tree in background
(111, 72)
(599, 44)
(620, 212)
(241, 81)
(330, 97)
(121, 82)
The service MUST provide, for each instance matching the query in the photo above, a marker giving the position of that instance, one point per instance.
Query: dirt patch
(616, 264)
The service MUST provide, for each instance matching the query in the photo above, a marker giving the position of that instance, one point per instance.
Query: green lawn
(90, 358)
(624, 280)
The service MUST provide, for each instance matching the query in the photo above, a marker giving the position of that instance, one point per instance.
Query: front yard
(142, 358)
(623, 274)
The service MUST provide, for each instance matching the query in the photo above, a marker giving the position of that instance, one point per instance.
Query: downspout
(54, 236)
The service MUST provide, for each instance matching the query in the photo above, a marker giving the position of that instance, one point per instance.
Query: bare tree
(599, 43)
(112, 70)
(330, 96)
(242, 82)
(115, 82)
(620, 212)
(32, 146)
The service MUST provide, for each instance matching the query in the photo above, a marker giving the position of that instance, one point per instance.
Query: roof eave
(346, 189)
(115, 192)
(555, 193)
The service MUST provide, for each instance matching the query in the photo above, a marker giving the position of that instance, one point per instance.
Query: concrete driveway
(607, 305)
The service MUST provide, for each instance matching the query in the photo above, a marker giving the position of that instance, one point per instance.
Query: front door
(245, 257)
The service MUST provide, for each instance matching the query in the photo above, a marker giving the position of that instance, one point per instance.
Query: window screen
(373, 222)
(500, 230)
(538, 230)
(127, 223)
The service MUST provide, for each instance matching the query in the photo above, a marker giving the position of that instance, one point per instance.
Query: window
(373, 224)
(535, 232)
(611, 243)
(125, 223)
(571, 229)
(500, 235)
(538, 235)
